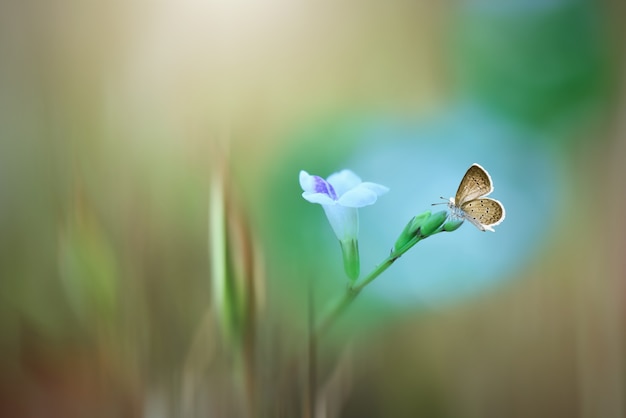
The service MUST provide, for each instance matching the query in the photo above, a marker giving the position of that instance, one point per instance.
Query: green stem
(353, 290)
(351, 263)
(420, 227)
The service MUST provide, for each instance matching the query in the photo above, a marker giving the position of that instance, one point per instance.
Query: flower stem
(353, 290)
(351, 263)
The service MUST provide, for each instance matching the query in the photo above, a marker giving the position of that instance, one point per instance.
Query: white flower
(340, 195)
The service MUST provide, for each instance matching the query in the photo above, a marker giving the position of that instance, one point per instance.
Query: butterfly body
(471, 203)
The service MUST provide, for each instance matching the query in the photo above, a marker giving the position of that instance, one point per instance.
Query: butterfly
(470, 202)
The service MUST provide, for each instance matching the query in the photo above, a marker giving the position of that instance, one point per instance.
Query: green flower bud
(433, 223)
(452, 225)
(410, 230)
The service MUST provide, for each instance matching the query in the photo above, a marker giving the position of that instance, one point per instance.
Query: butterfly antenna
(440, 203)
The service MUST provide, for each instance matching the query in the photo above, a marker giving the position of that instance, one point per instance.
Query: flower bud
(410, 230)
(452, 225)
(433, 223)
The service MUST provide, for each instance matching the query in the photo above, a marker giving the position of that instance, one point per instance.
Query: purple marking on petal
(322, 186)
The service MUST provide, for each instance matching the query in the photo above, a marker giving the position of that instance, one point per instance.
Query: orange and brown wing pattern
(484, 212)
(476, 183)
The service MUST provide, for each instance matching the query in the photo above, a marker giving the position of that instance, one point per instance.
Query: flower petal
(379, 189)
(343, 181)
(321, 198)
(358, 197)
(307, 182)
(316, 184)
(344, 221)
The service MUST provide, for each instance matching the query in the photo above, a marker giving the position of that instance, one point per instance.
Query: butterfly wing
(484, 213)
(476, 183)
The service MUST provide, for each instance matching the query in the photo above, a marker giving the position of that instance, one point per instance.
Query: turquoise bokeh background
(421, 160)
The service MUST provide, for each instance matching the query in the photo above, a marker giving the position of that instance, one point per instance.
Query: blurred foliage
(109, 118)
(89, 271)
(546, 66)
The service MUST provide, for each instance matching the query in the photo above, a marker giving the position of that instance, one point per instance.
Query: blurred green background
(158, 260)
